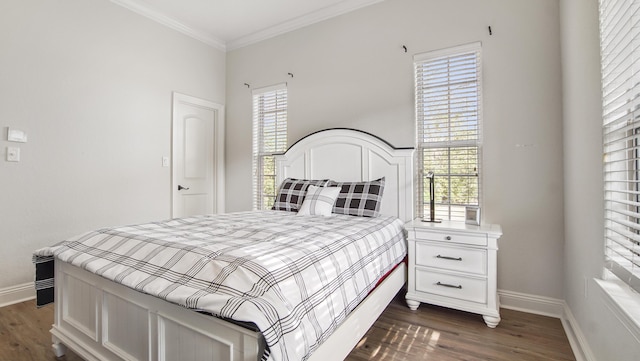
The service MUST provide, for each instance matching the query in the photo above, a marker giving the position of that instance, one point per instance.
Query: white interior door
(198, 145)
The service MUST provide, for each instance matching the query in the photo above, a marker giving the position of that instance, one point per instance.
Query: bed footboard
(101, 320)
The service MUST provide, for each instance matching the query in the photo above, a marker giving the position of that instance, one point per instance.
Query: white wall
(351, 71)
(91, 84)
(607, 337)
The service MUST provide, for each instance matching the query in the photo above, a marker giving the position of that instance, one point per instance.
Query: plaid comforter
(295, 277)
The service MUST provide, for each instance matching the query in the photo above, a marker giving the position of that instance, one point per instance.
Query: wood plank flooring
(442, 334)
(24, 333)
(430, 333)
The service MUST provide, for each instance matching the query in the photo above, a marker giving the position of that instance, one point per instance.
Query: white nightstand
(453, 264)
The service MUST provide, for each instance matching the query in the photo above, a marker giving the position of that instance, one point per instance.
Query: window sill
(622, 301)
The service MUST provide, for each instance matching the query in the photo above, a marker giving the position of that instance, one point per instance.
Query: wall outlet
(13, 154)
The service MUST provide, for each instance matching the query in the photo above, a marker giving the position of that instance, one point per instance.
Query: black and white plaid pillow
(359, 198)
(292, 192)
(319, 201)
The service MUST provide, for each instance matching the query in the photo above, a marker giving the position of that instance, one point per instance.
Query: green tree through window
(269, 138)
(448, 115)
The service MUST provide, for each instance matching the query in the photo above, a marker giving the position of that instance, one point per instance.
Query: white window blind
(269, 138)
(448, 114)
(620, 57)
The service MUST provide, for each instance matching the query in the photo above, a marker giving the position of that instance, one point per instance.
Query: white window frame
(431, 138)
(269, 138)
(620, 60)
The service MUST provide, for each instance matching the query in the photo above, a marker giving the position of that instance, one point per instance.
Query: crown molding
(300, 22)
(270, 32)
(172, 23)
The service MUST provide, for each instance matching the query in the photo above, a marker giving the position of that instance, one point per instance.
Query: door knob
(181, 188)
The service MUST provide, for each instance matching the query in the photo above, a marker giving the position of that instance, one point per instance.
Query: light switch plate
(13, 154)
(16, 135)
(165, 161)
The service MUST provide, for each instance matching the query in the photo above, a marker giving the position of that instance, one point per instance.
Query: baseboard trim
(551, 307)
(538, 305)
(578, 342)
(17, 294)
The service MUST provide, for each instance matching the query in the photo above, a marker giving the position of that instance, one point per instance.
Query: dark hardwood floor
(442, 334)
(430, 333)
(24, 333)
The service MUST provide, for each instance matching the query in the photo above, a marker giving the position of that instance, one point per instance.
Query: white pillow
(319, 201)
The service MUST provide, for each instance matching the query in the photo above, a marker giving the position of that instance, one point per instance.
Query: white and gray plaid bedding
(295, 277)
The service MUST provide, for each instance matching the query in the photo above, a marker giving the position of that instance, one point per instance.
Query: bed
(100, 319)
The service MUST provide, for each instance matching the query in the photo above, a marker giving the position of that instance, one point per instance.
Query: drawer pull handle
(448, 238)
(450, 258)
(448, 285)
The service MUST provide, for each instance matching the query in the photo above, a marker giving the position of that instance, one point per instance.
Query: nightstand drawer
(451, 237)
(463, 288)
(451, 258)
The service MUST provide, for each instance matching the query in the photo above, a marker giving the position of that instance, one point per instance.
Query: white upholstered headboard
(349, 155)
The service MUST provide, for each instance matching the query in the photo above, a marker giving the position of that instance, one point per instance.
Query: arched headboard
(350, 155)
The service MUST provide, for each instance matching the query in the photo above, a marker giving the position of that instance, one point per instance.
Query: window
(448, 115)
(620, 57)
(269, 138)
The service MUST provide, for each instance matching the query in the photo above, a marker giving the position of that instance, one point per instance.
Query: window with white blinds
(448, 115)
(620, 57)
(269, 138)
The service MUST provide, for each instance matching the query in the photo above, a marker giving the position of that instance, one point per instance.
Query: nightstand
(453, 264)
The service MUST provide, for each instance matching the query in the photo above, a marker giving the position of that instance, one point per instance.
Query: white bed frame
(101, 320)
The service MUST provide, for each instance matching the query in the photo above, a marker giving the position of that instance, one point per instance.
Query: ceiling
(231, 24)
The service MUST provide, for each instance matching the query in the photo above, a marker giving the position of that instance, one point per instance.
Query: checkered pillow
(319, 201)
(359, 198)
(292, 192)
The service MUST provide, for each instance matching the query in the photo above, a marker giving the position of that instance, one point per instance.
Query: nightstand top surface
(491, 229)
